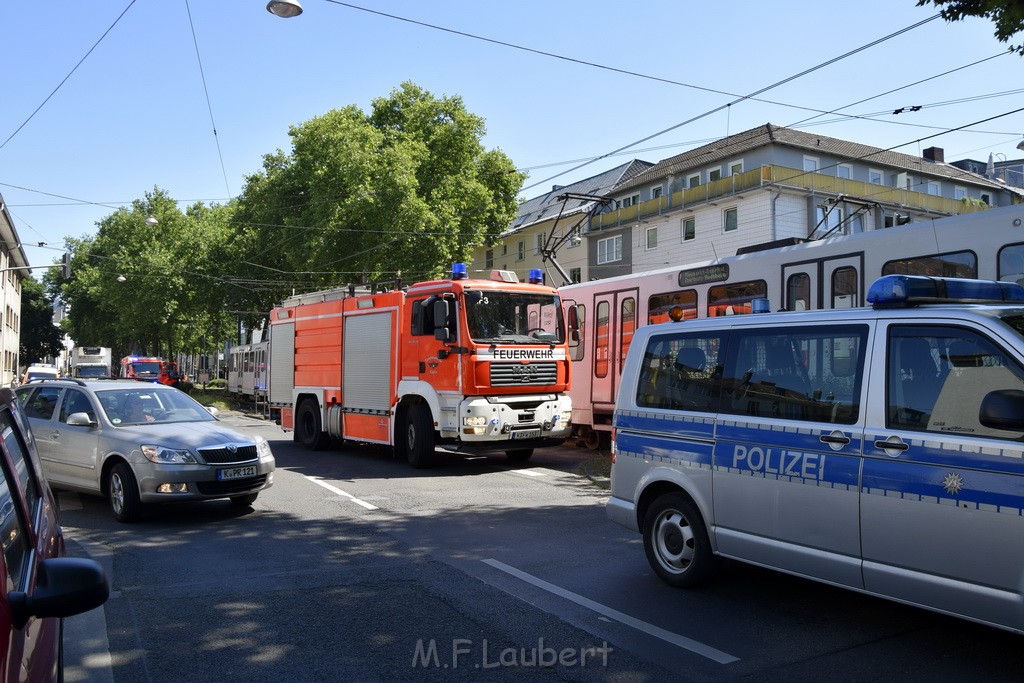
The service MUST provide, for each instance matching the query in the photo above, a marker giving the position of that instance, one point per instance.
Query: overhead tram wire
(206, 92)
(64, 80)
(739, 99)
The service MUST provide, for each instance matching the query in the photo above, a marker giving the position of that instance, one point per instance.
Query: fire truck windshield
(514, 317)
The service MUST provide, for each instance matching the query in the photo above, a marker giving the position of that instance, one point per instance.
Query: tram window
(627, 326)
(1011, 263)
(953, 264)
(735, 298)
(577, 347)
(601, 339)
(798, 292)
(844, 288)
(659, 306)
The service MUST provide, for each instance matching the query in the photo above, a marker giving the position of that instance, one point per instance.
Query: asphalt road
(354, 566)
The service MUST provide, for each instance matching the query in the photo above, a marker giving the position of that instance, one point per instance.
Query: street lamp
(285, 9)
(152, 220)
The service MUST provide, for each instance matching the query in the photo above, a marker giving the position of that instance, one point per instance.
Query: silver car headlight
(263, 448)
(168, 456)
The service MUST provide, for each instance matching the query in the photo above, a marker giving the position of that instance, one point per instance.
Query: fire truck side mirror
(442, 320)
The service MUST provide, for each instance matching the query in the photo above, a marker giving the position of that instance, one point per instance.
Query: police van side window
(682, 371)
(938, 377)
(807, 374)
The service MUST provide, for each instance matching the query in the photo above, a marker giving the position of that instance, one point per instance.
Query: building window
(693, 180)
(810, 165)
(575, 275)
(652, 237)
(609, 249)
(504, 249)
(689, 228)
(844, 171)
(933, 188)
(736, 167)
(489, 258)
(714, 174)
(959, 193)
(731, 219)
(520, 250)
(627, 202)
(539, 242)
(656, 192)
(875, 177)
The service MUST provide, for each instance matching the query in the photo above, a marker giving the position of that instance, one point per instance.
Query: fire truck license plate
(236, 472)
(526, 434)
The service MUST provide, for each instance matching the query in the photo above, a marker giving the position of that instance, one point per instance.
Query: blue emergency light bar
(536, 276)
(901, 291)
(460, 271)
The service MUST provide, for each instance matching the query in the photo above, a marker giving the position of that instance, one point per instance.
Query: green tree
(1007, 15)
(145, 287)
(40, 338)
(408, 188)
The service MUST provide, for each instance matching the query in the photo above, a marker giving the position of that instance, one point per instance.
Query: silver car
(136, 443)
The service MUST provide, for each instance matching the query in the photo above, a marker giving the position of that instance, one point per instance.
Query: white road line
(335, 489)
(528, 473)
(650, 629)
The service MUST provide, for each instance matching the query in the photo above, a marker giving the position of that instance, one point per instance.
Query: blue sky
(135, 114)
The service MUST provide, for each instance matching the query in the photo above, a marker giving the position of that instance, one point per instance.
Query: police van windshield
(514, 317)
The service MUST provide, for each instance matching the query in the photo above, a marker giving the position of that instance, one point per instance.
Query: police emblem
(953, 483)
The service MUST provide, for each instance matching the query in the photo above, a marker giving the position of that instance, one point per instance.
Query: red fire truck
(142, 368)
(460, 363)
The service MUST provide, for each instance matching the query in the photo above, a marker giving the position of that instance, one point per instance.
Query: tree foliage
(40, 338)
(406, 189)
(1007, 15)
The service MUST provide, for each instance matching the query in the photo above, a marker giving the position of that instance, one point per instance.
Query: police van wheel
(676, 542)
(419, 436)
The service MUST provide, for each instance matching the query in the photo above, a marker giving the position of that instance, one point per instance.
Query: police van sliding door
(788, 447)
(824, 283)
(614, 324)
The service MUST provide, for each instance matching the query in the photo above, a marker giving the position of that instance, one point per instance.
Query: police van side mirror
(1003, 409)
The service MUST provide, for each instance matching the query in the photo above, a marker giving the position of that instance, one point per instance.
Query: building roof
(547, 206)
(769, 134)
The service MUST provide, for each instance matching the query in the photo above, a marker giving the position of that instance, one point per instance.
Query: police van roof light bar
(901, 291)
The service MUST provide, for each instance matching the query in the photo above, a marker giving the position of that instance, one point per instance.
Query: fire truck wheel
(419, 436)
(520, 455)
(308, 427)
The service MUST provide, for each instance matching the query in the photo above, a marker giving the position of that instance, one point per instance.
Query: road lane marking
(650, 629)
(528, 473)
(335, 489)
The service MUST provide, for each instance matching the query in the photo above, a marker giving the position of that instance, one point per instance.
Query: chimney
(935, 154)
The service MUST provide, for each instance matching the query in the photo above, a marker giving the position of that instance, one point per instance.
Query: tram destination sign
(704, 275)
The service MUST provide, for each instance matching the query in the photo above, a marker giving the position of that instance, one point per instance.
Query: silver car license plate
(526, 434)
(236, 472)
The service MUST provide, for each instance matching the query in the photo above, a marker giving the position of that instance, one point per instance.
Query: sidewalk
(86, 648)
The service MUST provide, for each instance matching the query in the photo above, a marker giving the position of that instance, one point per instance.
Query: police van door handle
(892, 443)
(835, 437)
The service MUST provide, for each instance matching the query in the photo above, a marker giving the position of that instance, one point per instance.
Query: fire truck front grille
(523, 374)
(223, 456)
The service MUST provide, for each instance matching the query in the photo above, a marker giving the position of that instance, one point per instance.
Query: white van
(879, 449)
(40, 371)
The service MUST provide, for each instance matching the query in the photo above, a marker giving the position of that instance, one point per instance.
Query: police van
(879, 449)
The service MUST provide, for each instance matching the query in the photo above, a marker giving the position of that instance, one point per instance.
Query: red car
(42, 586)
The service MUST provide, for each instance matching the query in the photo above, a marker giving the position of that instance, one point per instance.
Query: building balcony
(782, 177)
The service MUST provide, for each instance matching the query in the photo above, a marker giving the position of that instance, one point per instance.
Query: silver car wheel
(116, 493)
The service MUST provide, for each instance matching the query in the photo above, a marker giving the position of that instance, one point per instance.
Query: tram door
(824, 284)
(615, 321)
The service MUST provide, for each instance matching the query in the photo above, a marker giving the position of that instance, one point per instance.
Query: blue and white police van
(879, 449)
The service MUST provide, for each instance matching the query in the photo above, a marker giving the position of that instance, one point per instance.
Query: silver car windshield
(148, 406)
